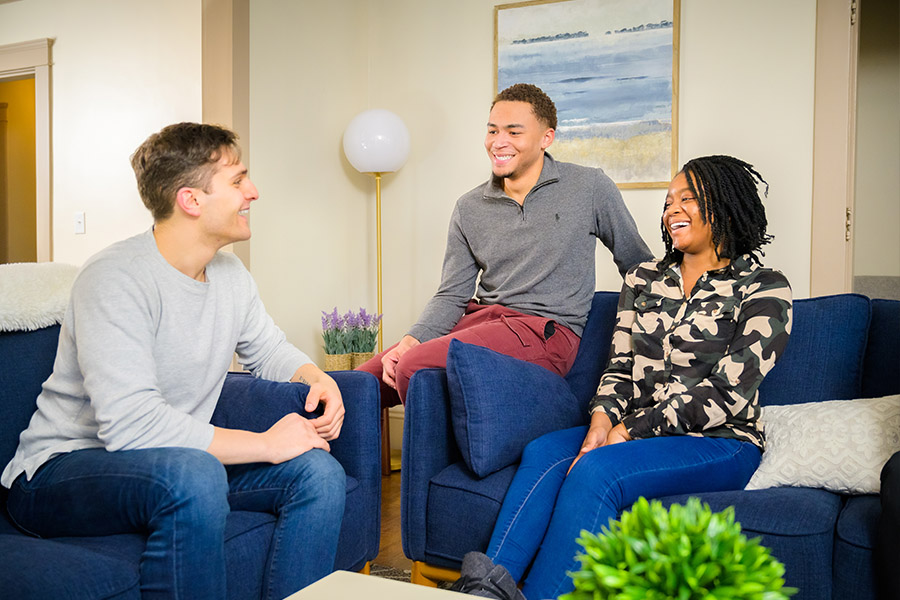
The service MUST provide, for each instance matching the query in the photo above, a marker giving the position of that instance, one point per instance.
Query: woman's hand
(596, 436)
(618, 435)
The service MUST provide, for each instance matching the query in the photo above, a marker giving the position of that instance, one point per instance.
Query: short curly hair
(541, 104)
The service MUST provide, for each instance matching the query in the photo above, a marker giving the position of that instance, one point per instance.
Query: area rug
(389, 572)
(400, 575)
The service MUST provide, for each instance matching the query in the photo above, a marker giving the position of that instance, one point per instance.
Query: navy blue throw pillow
(498, 404)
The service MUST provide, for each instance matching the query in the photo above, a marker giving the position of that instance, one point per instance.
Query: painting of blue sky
(607, 65)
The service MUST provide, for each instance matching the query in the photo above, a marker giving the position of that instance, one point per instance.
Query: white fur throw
(34, 295)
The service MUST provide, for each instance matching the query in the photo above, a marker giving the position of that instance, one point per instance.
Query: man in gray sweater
(121, 440)
(529, 234)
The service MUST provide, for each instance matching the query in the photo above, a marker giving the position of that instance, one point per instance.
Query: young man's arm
(616, 227)
(290, 437)
(265, 351)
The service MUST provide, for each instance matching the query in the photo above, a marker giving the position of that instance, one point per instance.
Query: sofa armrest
(358, 448)
(255, 405)
(428, 448)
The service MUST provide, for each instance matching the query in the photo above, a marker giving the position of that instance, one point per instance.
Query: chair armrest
(255, 405)
(428, 448)
(358, 448)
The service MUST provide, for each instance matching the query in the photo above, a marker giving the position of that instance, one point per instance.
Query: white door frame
(834, 147)
(33, 58)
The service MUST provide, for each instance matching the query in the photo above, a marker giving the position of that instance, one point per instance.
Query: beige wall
(124, 69)
(312, 245)
(746, 90)
(18, 239)
(121, 69)
(877, 207)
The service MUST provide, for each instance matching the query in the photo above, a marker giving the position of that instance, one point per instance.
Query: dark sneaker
(498, 584)
(475, 567)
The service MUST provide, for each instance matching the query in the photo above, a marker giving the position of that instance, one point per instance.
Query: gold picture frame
(605, 64)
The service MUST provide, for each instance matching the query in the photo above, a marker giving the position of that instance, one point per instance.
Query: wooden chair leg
(385, 442)
(429, 575)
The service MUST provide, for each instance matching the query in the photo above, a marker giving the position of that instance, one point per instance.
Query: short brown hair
(180, 155)
(541, 104)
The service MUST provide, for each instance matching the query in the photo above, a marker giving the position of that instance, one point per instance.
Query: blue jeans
(544, 511)
(180, 497)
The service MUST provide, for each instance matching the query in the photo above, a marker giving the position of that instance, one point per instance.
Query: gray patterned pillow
(837, 445)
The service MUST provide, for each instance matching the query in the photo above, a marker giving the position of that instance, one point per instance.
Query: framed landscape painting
(611, 68)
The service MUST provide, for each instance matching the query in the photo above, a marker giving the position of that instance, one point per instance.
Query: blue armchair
(841, 347)
(107, 566)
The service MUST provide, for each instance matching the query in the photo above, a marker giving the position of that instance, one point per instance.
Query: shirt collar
(740, 266)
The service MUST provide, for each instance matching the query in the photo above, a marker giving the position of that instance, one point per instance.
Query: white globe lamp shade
(376, 141)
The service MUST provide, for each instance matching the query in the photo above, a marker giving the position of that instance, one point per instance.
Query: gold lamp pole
(378, 251)
(376, 141)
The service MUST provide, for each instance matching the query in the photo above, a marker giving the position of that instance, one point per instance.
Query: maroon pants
(504, 330)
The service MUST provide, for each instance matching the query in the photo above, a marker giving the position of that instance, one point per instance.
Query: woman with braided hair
(676, 410)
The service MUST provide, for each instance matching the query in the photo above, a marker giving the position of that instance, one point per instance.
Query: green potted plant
(686, 552)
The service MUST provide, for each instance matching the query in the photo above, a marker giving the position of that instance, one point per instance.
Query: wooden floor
(391, 550)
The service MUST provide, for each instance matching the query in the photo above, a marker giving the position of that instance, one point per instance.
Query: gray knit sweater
(537, 258)
(143, 353)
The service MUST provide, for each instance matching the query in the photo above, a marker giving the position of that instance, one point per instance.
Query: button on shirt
(692, 366)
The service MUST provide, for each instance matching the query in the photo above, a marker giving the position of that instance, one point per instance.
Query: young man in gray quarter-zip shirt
(529, 233)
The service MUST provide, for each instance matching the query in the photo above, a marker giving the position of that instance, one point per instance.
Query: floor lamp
(377, 142)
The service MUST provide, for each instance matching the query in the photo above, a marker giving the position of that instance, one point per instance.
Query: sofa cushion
(499, 404)
(779, 511)
(854, 539)
(836, 445)
(858, 522)
(36, 568)
(108, 566)
(823, 359)
(461, 512)
(796, 524)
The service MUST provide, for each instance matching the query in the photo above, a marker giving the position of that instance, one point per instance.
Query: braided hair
(726, 190)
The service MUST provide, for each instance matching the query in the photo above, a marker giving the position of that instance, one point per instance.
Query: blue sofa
(841, 347)
(107, 566)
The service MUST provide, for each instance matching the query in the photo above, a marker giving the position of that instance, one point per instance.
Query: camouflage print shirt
(692, 367)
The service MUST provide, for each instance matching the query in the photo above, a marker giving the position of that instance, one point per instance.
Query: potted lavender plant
(335, 336)
(349, 338)
(364, 334)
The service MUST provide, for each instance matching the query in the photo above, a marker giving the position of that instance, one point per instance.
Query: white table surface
(344, 584)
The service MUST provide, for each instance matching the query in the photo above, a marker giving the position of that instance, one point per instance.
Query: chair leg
(429, 575)
(385, 442)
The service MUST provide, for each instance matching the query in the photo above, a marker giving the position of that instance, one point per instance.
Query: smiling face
(683, 220)
(225, 215)
(516, 140)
